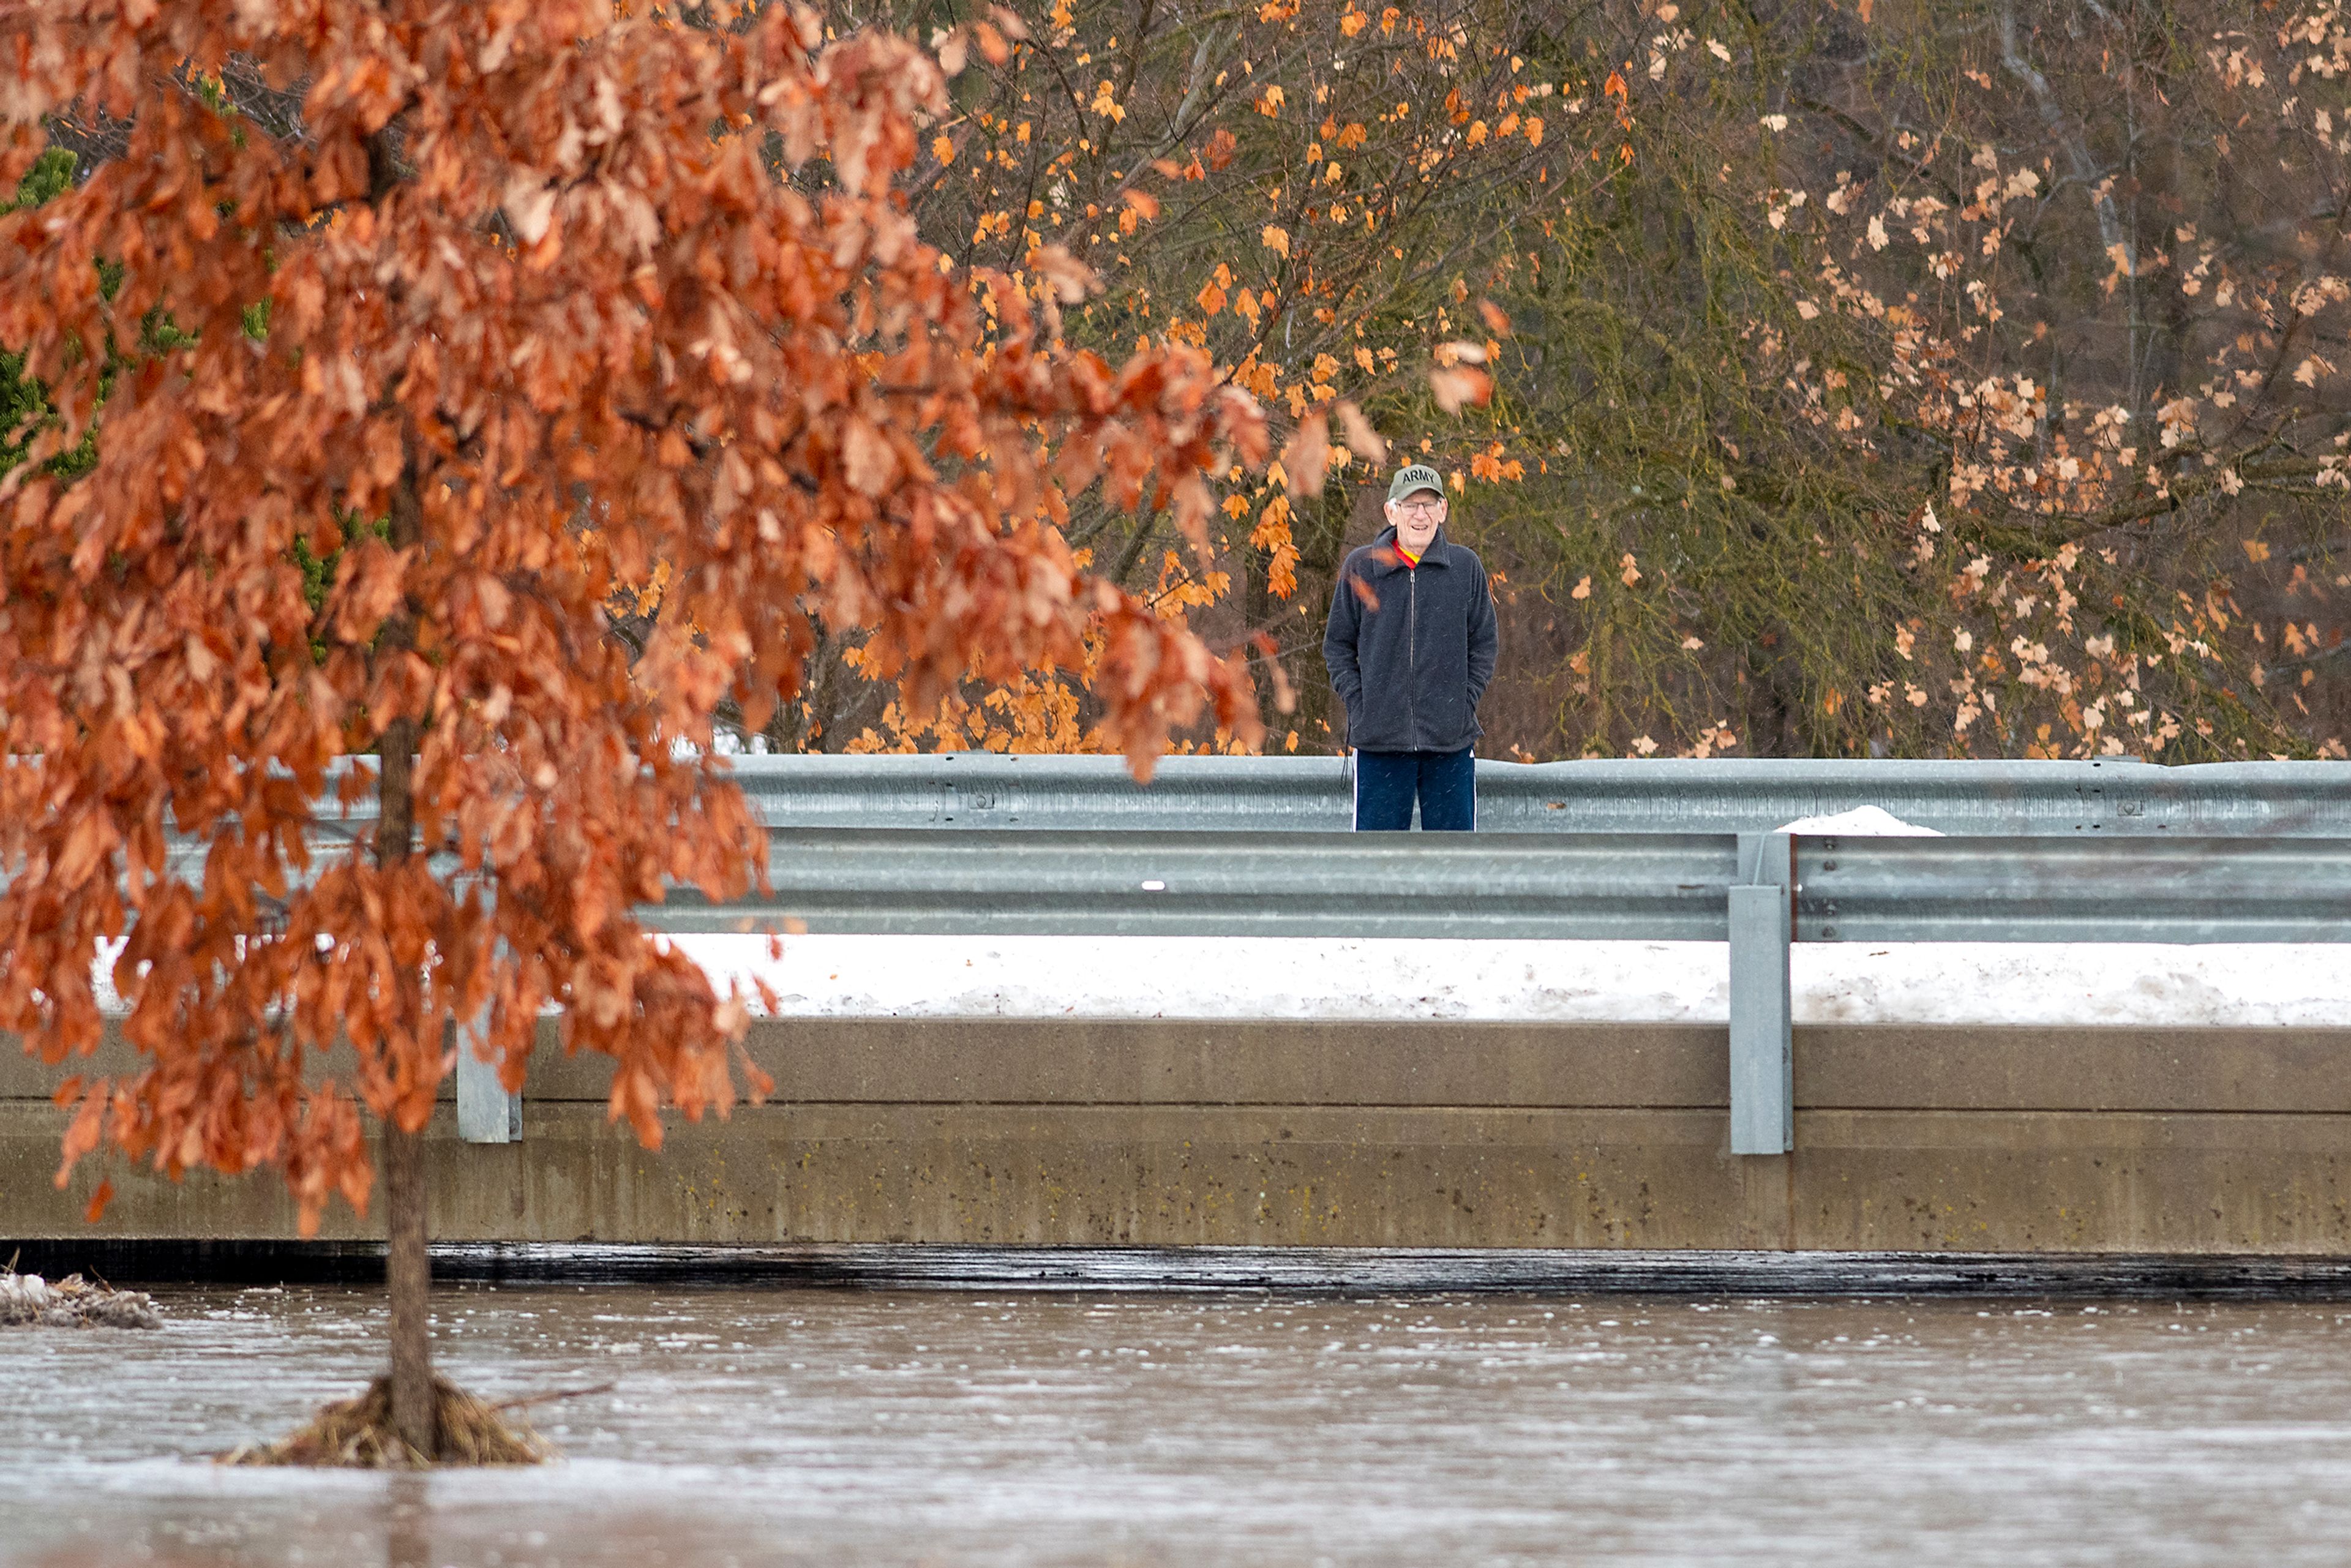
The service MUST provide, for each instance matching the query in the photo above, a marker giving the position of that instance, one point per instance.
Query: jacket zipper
(1412, 646)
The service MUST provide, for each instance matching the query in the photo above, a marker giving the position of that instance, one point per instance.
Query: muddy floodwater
(833, 1425)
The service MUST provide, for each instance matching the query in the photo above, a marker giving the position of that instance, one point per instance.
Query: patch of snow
(1223, 978)
(2065, 985)
(2120, 985)
(1861, 822)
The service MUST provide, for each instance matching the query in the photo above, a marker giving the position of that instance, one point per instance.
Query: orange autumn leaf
(1457, 387)
(1305, 461)
(1360, 436)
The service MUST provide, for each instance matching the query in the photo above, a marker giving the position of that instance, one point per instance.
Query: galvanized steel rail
(2083, 890)
(1637, 886)
(1645, 886)
(1720, 795)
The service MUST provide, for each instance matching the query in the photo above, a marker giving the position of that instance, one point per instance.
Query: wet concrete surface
(835, 1425)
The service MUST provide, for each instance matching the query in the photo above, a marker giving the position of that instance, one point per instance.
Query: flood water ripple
(1024, 1428)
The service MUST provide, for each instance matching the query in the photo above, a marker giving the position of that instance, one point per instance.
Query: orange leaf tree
(497, 307)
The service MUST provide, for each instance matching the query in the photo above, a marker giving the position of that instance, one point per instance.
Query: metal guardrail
(2084, 890)
(1719, 795)
(1637, 886)
(1553, 885)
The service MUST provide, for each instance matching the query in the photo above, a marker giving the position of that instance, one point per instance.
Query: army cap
(1417, 476)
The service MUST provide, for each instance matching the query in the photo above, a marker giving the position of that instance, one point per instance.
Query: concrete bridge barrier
(1355, 1134)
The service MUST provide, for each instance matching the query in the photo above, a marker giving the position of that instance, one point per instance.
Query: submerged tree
(507, 309)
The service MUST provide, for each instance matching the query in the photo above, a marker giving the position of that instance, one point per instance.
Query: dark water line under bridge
(1382, 1270)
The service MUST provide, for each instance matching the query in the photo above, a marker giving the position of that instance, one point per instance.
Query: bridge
(1038, 1004)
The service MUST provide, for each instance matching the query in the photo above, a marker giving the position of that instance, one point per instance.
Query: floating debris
(73, 1303)
(357, 1434)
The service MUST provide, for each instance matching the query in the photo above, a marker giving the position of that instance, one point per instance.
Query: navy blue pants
(1445, 783)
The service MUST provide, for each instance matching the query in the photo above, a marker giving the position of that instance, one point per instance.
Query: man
(1411, 647)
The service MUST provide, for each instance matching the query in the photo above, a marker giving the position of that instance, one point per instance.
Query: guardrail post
(1763, 1056)
(487, 1114)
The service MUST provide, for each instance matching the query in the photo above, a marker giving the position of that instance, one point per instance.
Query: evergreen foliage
(23, 401)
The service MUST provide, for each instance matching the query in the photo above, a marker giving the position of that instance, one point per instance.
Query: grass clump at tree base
(357, 1434)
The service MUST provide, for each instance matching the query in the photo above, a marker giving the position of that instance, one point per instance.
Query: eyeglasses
(1418, 505)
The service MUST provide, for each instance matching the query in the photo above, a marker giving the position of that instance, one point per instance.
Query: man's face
(1416, 519)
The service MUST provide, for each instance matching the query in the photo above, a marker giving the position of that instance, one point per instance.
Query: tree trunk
(408, 1267)
(408, 1276)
